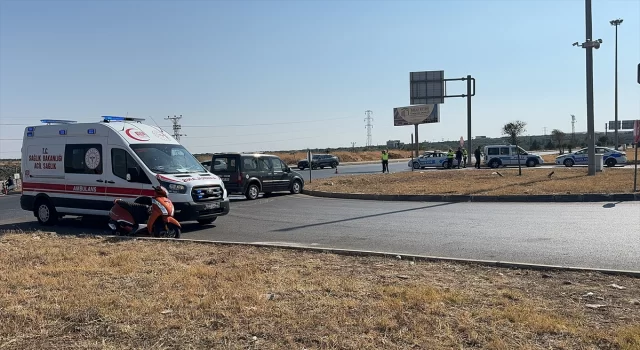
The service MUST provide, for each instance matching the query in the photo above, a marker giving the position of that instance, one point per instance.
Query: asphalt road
(596, 235)
(359, 169)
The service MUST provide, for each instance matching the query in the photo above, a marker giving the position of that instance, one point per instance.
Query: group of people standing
(461, 156)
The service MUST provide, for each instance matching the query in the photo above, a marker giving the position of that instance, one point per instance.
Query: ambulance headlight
(174, 188)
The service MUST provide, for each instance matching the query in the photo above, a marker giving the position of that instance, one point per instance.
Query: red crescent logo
(136, 134)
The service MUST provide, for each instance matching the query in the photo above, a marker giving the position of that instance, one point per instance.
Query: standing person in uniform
(450, 158)
(385, 161)
(459, 156)
(477, 154)
(464, 157)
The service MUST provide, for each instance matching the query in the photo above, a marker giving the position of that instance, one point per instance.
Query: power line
(227, 125)
(369, 126)
(218, 136)
(270, 141)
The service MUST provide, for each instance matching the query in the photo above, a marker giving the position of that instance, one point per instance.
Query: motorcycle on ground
(155, 214)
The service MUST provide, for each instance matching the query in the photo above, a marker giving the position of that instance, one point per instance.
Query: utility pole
(589, 45)
(545, 131)
(176, 127)
(573, 129)
(369, 126)
(616, 23)
(353, 147)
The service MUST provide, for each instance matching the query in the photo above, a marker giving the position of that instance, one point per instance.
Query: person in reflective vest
(385, 161)
(464, 157)
(450, 158)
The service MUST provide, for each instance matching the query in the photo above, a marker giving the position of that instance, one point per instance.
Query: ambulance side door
(126, 179)
(85, 176)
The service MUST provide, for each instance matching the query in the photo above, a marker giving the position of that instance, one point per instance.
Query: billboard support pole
(636, 142)
(309, 157)
(635, 172)
(412, 153)
(417, 142)
(470, 150)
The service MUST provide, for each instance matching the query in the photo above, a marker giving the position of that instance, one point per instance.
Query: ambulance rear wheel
(45, 212)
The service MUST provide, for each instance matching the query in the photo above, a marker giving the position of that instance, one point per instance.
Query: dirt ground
(70, 292)
(482, 182)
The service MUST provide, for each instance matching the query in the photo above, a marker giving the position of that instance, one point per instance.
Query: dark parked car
(319, 161)
(251, 174)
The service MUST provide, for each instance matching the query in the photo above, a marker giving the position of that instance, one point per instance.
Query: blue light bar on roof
(57, 121)
(111, 118)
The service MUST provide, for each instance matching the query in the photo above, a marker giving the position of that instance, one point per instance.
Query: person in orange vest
(385, 161)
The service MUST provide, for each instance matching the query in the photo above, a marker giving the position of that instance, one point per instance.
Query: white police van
(505, 155)
(610, 157)
(81, 168)
(430, 159)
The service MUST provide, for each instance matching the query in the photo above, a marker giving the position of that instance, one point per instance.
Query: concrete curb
(615, 197)
(412, 257)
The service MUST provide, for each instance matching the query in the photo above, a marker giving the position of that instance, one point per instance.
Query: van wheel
(252, 192)
(494, 163)
(46, 213)
(207, 221)
(296, 187)
(531, 163)
(568, 163)
(416, 165)
(611, 162)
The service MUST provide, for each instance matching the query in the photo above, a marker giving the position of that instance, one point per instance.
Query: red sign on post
(636, 131)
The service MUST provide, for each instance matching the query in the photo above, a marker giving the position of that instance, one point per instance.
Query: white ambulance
(79, 169)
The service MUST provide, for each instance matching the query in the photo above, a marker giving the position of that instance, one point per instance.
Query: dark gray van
(252, 174)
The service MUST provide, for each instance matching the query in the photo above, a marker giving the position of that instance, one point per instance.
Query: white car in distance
(610, 157)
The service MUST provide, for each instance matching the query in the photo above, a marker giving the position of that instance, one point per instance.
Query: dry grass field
(482, 182)
(95, 293)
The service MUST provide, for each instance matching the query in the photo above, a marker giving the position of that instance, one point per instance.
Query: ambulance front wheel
(45, 212)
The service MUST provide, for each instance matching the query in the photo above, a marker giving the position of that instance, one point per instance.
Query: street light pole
(616, 23)
(589, 45)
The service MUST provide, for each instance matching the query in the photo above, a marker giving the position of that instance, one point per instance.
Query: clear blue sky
(245, 62)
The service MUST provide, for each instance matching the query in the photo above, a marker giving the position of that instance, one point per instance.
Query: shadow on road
(362, 217)
(82, 226)
(610, 205)
(240, 198)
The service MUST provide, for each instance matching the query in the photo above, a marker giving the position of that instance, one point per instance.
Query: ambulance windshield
(167, 159)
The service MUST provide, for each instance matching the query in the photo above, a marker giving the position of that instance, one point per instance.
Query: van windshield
(167, 159)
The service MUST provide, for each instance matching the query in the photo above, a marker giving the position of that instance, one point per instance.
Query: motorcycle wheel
(172, 231)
